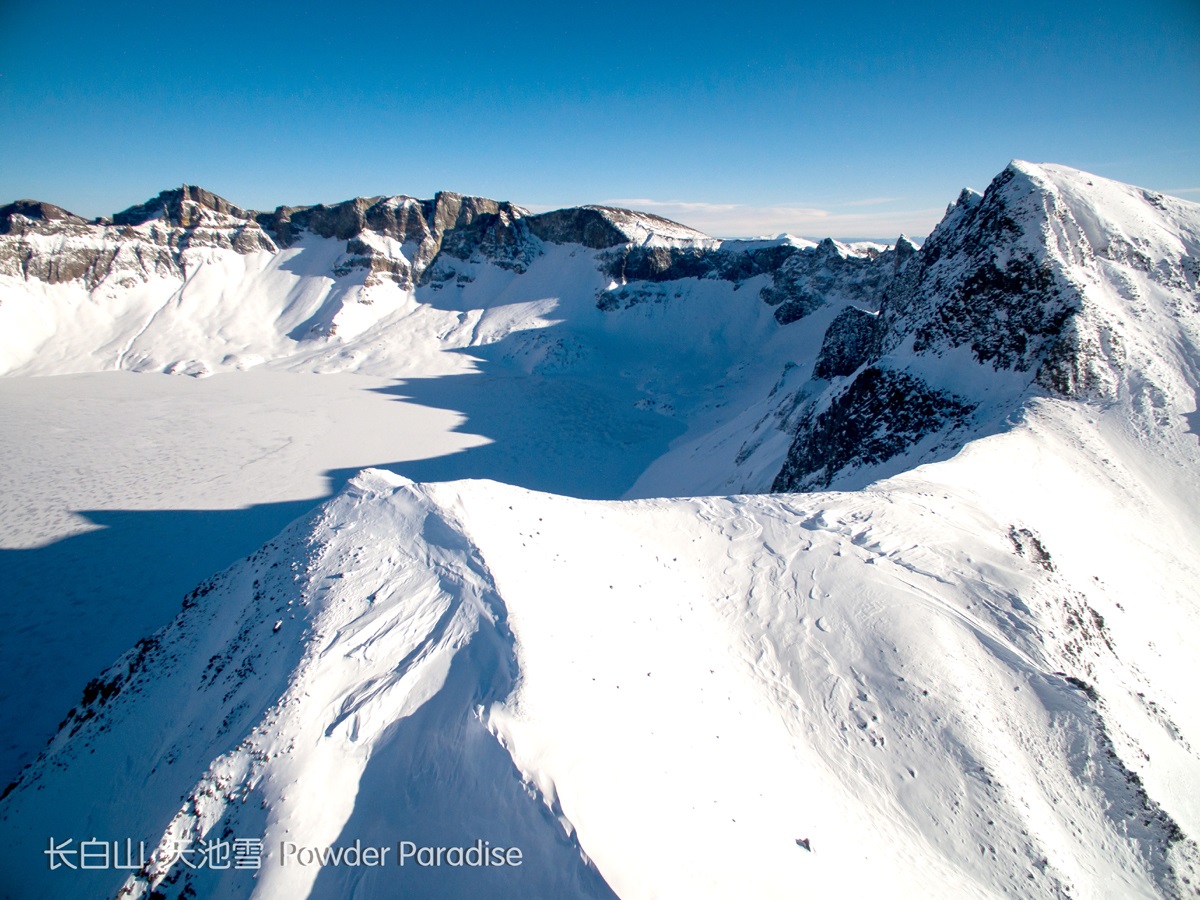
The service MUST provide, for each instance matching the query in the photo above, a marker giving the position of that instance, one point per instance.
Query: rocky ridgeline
(1003, 278)
(987, 280)
(44, 242)
(997, 283)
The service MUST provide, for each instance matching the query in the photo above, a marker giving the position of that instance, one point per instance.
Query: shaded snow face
(755, 350)
(341, 688)
(464, 661)
(973, 678)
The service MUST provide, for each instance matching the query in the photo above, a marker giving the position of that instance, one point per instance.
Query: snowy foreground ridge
(919, 621)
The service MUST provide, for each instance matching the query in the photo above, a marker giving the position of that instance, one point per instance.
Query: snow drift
(968, 673)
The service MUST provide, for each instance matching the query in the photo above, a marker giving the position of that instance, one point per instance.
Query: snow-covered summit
(1051, 281)
(966, 671)
(921, 688)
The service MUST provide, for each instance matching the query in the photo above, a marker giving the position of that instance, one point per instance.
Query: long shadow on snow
(440, 779)
(99, 592)
(560, 433)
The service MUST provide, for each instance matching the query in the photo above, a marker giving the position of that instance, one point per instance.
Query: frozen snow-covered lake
(120, 492)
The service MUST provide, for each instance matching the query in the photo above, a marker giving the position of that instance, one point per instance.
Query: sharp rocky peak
(1003, 283)
(400, 217)
(184, 206)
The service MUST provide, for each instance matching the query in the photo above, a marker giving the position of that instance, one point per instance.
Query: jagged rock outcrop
(880, 416)
(24, 215)
(501, 237)
(812, 277)
(185, 207)
(601, 227)
(852, 340)
(396, 217)
(984, 281)
(801, 278)
(45, 242)
(419, 226)
(148, 239)
(586, 225)
(1004, 276)
(630, 262)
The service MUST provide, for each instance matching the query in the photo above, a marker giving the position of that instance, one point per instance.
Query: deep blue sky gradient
(866, 117)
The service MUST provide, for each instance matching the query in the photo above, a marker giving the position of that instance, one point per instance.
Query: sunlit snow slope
(939, 699)
(970, 673)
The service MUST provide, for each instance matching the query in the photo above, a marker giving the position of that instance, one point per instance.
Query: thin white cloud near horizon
(736, 220)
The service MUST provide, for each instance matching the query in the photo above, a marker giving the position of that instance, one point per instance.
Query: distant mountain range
(188, 282)
(925, 627)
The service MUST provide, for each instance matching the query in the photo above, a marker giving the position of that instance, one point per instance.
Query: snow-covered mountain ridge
(1035, 287)
(1024, 290)
(939, 699)
(966, 672)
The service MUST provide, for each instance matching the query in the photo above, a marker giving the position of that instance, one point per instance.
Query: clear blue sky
(854, 119)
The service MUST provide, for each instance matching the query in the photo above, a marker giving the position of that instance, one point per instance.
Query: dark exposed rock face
(659, 264)
(881, 415)
(802, 279)
(1006, 315)
(189, 216)
(346, 220)
(182, 206)
(448, 229)
(602, 227)
(852, 339)
(809, 278)
(13, 216)
(984, 280)
(478, 225)
(1083, 361)
(502, 238)
(586, 225)
(980, 281)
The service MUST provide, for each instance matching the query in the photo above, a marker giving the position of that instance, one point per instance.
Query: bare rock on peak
(183, 206)
(601, 227)
(34, 211)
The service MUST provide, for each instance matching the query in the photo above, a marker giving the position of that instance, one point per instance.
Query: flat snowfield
(676, 568)
(115, 441)
(119, 492)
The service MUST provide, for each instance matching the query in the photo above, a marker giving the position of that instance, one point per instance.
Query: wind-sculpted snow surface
(333, 680)
(664, 697)
(970, 673)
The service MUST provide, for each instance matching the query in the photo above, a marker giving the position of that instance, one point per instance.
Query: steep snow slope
(970, 679)
(657, 314)
(120, 492)
(939, 697)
